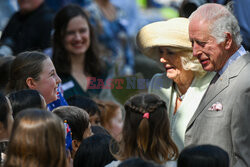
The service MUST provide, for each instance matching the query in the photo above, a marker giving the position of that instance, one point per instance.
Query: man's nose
(196, 49)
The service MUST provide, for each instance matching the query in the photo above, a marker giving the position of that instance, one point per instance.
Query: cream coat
(164, 87)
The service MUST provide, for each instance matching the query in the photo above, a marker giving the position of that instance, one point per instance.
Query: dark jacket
(31, 31)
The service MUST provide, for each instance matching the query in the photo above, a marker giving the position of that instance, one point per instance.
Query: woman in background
(75, 52)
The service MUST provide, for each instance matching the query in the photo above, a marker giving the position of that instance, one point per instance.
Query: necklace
(180, 96)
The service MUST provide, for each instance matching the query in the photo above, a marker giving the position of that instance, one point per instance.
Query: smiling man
(222, 117)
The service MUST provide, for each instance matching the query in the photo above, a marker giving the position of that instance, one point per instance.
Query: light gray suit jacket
(228, 128)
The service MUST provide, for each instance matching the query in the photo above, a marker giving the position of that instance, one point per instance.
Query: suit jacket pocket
(210, 113)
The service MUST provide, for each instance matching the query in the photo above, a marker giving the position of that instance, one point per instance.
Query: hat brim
(171, 33)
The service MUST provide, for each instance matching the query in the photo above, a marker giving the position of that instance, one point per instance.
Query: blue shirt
(241, 51)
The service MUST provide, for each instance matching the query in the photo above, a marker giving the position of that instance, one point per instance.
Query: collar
(240, 52)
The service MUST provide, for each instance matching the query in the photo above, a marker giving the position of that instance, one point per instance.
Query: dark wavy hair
(61, 58)
(146, 138)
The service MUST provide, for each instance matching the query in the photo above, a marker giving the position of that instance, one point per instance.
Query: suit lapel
(212, 91)
(223, 81)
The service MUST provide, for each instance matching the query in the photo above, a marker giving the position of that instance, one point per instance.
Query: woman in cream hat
(184, 82)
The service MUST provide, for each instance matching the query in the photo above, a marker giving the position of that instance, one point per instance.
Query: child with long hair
(37, 139)
(146, 132)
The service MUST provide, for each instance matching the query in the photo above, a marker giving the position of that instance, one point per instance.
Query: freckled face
(77, 38)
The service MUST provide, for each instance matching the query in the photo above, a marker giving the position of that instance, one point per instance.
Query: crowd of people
(194, 113)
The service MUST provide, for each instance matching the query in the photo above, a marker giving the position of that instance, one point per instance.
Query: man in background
(28, 29)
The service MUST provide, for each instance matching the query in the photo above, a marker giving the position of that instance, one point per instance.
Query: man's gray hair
(221, 20)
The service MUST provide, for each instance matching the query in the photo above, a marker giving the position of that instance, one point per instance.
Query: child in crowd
(88, 105)
(34, 70)
(203, 155)
(78, 121)
(37, 139)
(24, 99)
(94, 152)
(146, 131)
(111, 118)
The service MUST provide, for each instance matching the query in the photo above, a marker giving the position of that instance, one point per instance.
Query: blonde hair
(189, 62)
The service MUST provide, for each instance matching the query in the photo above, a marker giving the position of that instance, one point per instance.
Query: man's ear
(228, 41)
(31, 83)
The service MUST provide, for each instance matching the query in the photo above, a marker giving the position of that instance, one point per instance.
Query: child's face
(95, 120)
(116, 124)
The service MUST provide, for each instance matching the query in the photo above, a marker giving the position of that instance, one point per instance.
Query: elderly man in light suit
(223, 116)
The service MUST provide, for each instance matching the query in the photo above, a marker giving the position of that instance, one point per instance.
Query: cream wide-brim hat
(170, 33)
